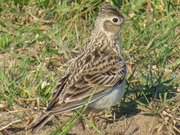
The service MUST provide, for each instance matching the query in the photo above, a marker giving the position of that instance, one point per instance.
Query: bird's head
(109, 20)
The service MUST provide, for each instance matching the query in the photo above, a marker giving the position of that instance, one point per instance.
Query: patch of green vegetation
(38, 37)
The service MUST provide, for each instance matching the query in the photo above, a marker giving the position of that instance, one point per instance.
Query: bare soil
(137, 124)
(129, 121)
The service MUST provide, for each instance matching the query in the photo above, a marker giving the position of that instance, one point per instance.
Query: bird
(96, 76)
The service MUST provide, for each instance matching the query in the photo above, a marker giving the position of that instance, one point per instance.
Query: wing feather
(95, 77)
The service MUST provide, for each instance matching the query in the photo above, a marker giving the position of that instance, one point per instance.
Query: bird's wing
(56, 94)
(86, 79)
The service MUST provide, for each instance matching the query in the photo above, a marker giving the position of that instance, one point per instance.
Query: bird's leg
(97, 117)
(109, 116)
(113, 115)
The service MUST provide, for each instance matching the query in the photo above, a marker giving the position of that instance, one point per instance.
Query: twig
(8, 125)
(41, 20)
(20, 110)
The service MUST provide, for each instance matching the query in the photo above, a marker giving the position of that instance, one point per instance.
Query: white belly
(110, 99)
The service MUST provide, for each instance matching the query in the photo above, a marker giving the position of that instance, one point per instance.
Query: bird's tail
(39, 123)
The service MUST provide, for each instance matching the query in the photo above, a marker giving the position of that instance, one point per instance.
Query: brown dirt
(135, 125)
(128, 122)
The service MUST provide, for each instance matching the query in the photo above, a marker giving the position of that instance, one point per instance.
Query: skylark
(97, 75)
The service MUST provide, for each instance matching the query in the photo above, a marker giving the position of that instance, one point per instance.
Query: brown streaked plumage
(98, 72)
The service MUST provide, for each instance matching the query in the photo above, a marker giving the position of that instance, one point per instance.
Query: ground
(129, 121)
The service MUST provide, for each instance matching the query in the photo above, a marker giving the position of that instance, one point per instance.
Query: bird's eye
(115, 20)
